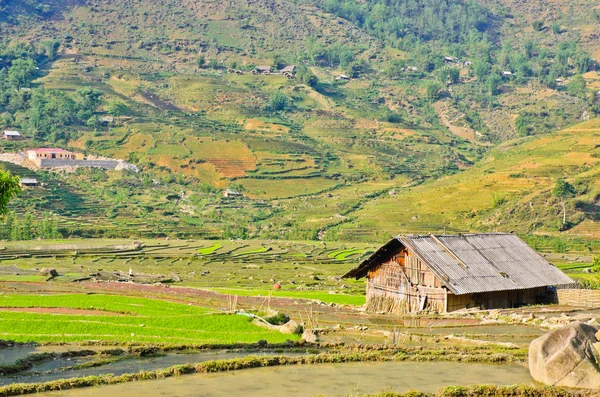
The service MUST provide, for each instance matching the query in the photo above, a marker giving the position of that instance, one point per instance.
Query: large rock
(566, 357)
(48, 272)
(291, 327)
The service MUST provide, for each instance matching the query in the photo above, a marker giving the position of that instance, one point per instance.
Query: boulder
(310, 336)
(48, 272)
(566, 357)
(291, 327)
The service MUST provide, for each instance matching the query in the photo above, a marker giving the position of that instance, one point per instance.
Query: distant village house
(28, 182)
(445, 273)
(262, 69)
(11, 135)
(50, 153)
(230, 193)
(289, 69)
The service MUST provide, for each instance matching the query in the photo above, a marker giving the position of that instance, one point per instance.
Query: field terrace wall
(53, 163)
(578, 297)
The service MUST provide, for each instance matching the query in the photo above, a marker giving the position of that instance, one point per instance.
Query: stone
(291, 327)
(566, 357)
(49, 272)
(310, 336)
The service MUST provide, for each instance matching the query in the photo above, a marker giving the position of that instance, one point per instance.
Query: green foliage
(596, 264)
(556, 29)
(278, 101)
(563, 189)
(538, 25)
(21, 72)
(117, 108)
(493, 83)
(201, 61)
(9, 189)
(432, 89)
(450, 21)
(307, 77)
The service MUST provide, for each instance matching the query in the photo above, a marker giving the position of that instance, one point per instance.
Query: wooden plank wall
(496, 299)
(399, 285)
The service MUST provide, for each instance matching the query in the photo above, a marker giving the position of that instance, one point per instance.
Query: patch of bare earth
(60, 310)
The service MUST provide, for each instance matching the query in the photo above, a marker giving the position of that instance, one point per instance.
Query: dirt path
(463, 132)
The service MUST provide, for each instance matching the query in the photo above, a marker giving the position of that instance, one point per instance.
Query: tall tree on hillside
(563, 190)
(9, 188)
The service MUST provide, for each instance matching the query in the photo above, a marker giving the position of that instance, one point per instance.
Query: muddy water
(122, 367)
(312, 380)
(11, 354)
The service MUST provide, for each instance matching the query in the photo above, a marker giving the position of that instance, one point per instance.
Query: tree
(91, 99)
(576, 86)
(201, 61)
(213, 64)
(21, 72)
(481, 69)
(493, 82)
(51, 48)
(9, 189)
(278, 101)
(563, 190)
(306, 76)
(117, 108)
(432, 89)
(538, 25)
(556, 29)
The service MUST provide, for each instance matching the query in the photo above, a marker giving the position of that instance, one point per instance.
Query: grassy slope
(514, 178)
(327, 162)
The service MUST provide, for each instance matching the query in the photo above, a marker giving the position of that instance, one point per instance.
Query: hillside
(510, 189)
(316, 156)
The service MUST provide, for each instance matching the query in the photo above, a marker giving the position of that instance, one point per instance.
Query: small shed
(28, 182)
(230, 193)
(11, 135)
(289, 69)
(445, 273)
(263, 69)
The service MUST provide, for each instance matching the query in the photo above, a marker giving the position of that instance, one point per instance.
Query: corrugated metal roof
(473, 263)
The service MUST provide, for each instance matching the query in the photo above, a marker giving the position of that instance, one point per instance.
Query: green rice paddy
(147, 321)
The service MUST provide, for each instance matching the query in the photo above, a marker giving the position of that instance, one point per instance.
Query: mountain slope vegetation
(428, 96)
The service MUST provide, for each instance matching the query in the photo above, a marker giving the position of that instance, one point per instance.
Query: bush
(278, 101)
(278, 319)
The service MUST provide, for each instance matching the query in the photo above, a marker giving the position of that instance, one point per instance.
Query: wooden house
(451, 272)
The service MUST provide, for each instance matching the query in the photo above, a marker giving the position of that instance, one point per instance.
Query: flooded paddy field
(64, 368)
(317, 379)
